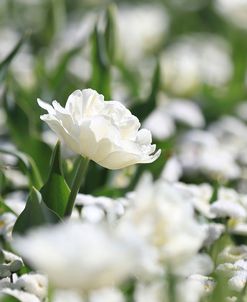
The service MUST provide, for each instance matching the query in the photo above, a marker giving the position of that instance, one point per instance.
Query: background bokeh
(179, 65)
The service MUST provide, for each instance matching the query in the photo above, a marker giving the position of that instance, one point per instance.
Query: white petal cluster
(105, 132)
(141, 28)
(199, 195)
(196, 59)
(161, 214)
(162, 120)
(96, 209)
(233, 11)
(236, 273)
(81, 256)
(200, 151)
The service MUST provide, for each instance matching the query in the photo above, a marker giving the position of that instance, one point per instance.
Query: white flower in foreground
(80, 256)
(107, 295)
(102, 295)
(105, 132)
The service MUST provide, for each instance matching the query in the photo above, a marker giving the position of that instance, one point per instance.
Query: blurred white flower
(200, 151)
(7, 221)
(16, 201)
(194, 289)
(198, 264)
(93, 214)
(224, 208)
(214, 231)
(199, 195)
(141, 29)
(162, 215)
(232, 254)
(35, 284)
(238, 281)
(186, 111)
(75, 34)
(236, 272)
(231, 133)
(233, 11)
(149, 292)
(161, 121)
(194, 60)
(207, 282)
(228, 204)
(80, 256)
(172, 170)
(95, 209)
(186, 290)
(110, 294)
(105, 132)
(241, 110)
(107, 295)
(66, 295)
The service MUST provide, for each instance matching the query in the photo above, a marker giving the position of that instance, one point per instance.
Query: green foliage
(8, 298)
(4, 65)
(4, 208)
(55, 191)
(103, 54)
(142, 110)
(35, 214)
(28, 166)
(19, 123)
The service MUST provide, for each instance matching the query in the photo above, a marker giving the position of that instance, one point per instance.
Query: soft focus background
(176, 64)
(179, 65)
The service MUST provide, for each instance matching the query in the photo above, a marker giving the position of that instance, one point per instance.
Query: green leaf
(142, 110)
(4, 208)
(110, 32)
(55, 191)
(26, 139)
(35, 214)
(60, 71)
(100, 80)
(5, 63)
(8, 298)
(29, 166)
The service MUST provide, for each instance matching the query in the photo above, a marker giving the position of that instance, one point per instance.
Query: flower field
(123, 151)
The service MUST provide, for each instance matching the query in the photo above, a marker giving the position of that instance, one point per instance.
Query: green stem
(77, 182)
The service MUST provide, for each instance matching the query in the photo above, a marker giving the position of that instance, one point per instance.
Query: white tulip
(105, 132)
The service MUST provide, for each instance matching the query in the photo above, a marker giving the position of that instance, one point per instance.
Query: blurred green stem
(77, 182)
(59, 15)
